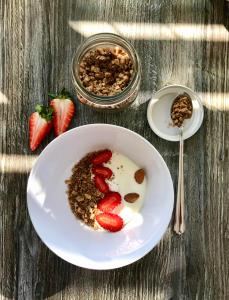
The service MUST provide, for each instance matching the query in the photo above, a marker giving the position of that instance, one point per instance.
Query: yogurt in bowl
(124, 182)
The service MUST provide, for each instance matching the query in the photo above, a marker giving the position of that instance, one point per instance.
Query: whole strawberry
(64, 110)
(40, 124)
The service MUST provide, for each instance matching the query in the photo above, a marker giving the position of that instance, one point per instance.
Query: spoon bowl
(184, 113)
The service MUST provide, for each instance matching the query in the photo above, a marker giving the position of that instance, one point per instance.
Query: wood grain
(36, 47)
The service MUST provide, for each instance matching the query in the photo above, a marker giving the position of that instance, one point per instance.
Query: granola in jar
(106, 72)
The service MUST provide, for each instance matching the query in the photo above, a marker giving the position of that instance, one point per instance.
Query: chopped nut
(79, 198)
(87, 196)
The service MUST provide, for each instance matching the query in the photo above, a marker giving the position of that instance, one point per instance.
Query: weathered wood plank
(36, 47)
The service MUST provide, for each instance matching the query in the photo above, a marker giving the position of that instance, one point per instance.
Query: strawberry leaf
(46, 112)
(64, 94)
(53, 96)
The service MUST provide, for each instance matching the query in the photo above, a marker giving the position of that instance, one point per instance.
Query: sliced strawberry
(102, 171)
(109, 221)
(102, 157)
(64, 110)
(109, 202)
(101, 184)
(40, 123)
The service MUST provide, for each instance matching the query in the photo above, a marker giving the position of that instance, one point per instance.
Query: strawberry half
(40, 123)
(101, 184)
(102, 171)
(109, 202)
(64, 110)
(109, 221)
(102, 157)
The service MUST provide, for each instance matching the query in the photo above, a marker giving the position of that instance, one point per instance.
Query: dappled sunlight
(89, 28)
(154, 31)
(143, 97)
(212, 101)
(37, 192)
(137, 221)
(12, 163)
(3, 99)
(215, 101)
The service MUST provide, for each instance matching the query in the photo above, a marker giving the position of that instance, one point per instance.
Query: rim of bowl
(135, 255)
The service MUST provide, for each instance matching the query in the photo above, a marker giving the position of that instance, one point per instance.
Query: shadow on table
(226, 15)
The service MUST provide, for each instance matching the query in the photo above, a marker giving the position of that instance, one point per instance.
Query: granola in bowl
(82, 193)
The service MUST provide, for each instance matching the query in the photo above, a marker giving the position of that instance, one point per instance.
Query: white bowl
(63, 233)
(159, 109)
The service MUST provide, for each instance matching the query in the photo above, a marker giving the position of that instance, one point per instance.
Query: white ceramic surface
(159, 108)
(63, 233)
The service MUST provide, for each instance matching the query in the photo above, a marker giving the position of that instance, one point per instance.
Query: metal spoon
(179, 225)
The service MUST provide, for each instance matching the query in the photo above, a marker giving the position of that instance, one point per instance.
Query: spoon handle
(179, 226)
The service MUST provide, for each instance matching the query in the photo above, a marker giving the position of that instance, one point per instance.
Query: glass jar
(116, 102)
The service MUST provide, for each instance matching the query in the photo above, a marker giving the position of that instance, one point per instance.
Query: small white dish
(69, 238)
(159, 108)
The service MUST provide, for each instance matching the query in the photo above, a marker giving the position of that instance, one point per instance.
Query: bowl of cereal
(100, 196)
(106, 72)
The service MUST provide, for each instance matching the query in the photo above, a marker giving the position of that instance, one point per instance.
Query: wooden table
(179, 41)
